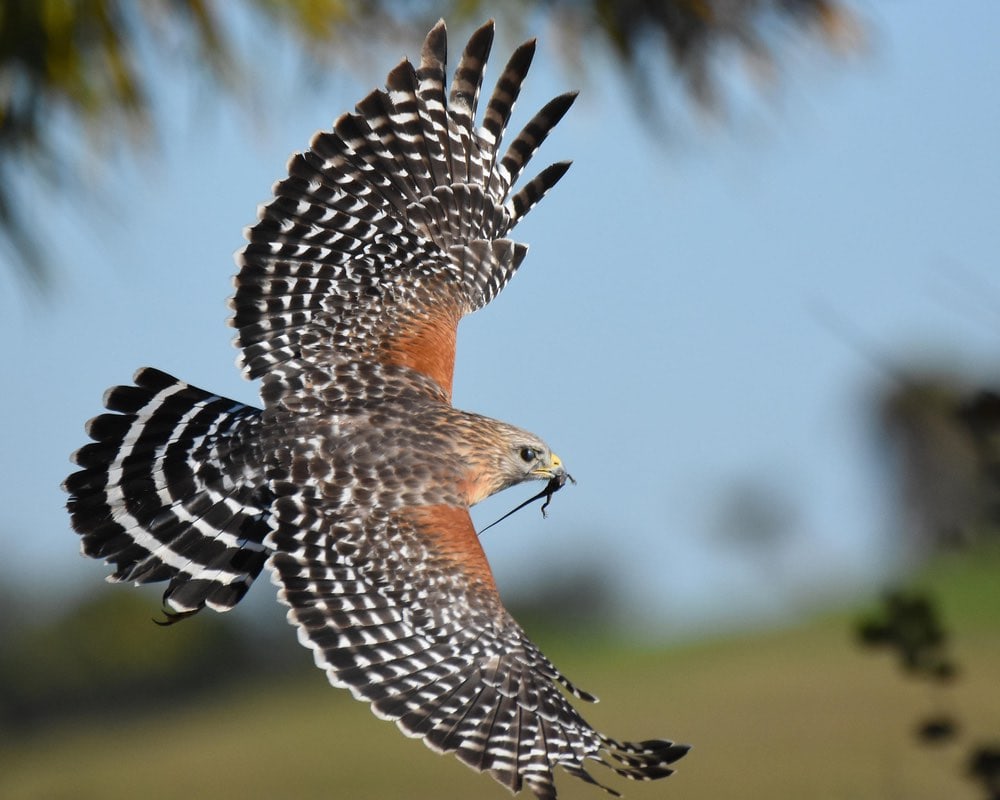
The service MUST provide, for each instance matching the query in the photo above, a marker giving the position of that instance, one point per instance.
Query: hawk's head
(497, 455)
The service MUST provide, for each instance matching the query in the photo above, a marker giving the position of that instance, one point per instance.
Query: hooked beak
(553, 470)
(557, 476)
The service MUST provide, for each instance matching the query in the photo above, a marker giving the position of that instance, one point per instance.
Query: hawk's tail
(162, 492)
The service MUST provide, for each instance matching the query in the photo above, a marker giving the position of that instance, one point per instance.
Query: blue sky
(667, 334)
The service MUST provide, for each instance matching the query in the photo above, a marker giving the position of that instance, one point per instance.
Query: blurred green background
(198, 710)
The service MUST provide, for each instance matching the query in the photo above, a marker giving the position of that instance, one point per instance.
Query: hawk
(352, 485)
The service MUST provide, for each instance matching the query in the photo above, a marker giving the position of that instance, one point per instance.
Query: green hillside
(800, 713)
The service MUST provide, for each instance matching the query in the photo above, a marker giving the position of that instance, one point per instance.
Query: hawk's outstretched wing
(391, 227)
(401, 609)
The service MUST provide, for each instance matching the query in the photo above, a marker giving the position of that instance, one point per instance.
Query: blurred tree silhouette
(945, 442)
(756, 515)
(75, 70)
(980, 416)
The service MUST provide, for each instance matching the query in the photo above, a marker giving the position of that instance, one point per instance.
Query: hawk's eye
(529, 454)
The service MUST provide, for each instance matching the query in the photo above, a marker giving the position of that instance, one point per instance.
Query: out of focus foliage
(106, 656)
(980, 417)
(944, 440)
(909, 625)
(984, 768)
(76, 75)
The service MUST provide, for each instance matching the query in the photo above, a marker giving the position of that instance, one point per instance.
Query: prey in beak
(557, 475)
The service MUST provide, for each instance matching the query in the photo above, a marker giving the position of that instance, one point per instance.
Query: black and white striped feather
(404, 199)
(170, 490)
(391, 617)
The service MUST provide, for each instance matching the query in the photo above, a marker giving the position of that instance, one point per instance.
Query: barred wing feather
(395, 221)
(393, 613)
